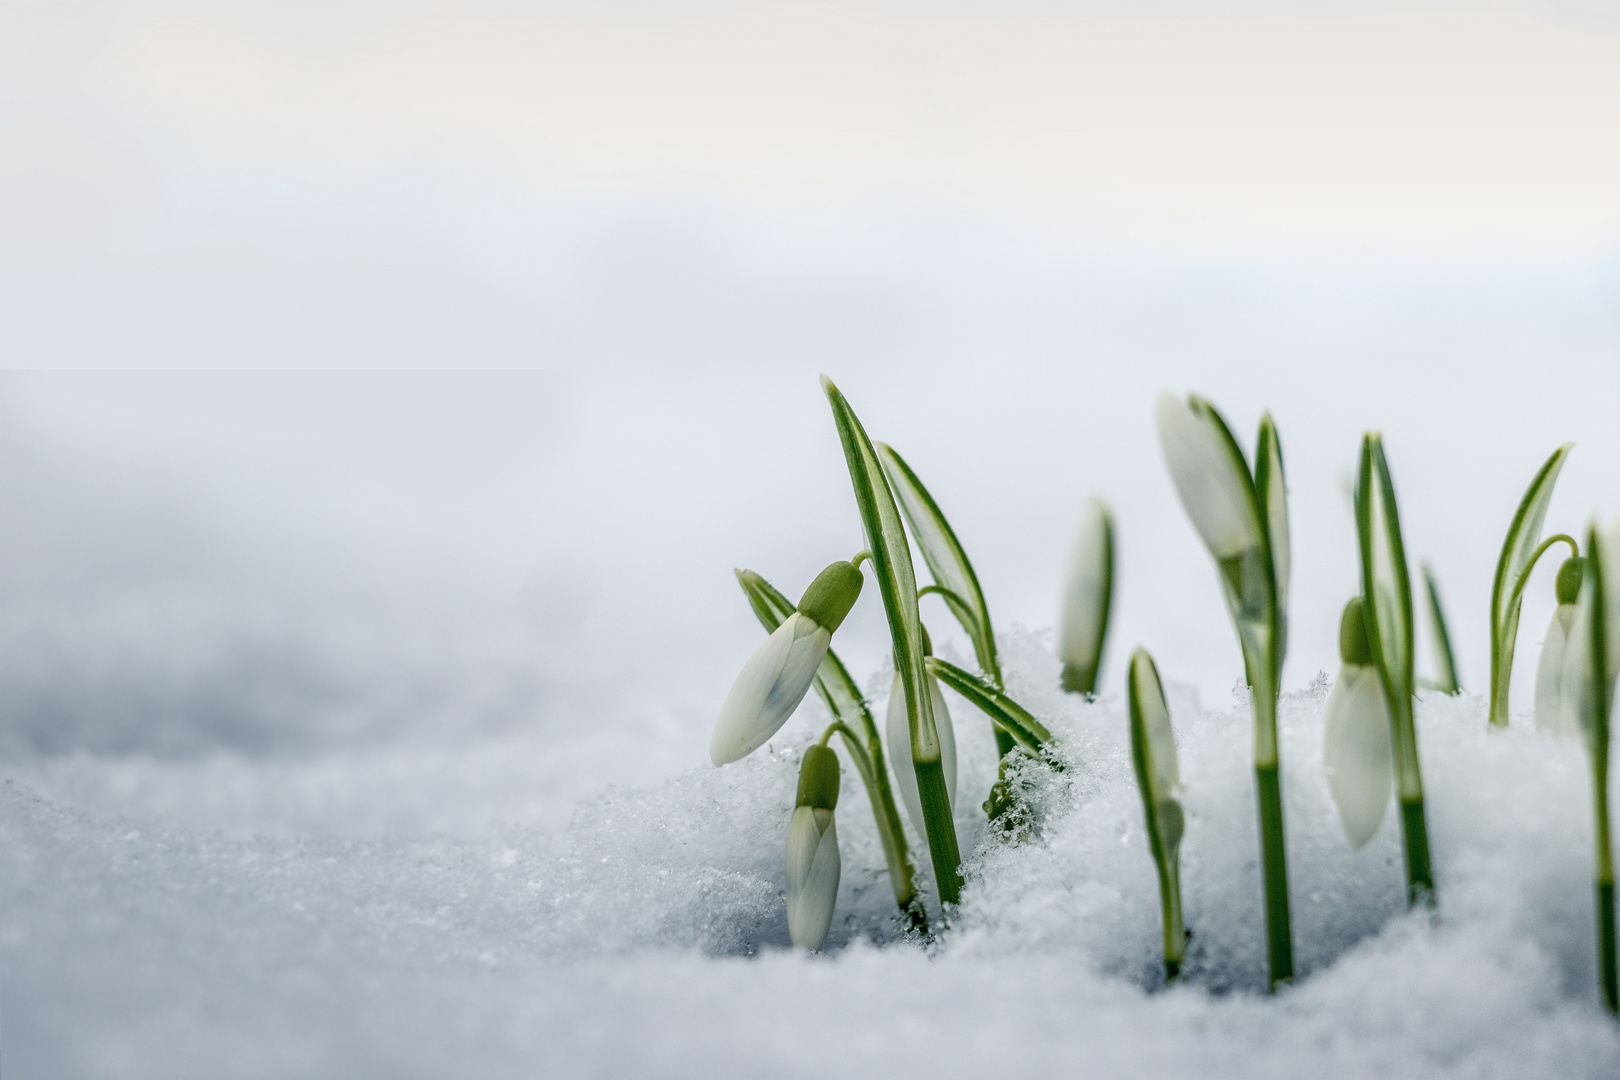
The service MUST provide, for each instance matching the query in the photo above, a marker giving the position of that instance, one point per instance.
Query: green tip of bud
(831, 595)
(818, 779)
(1353, 646)
(1569, 579)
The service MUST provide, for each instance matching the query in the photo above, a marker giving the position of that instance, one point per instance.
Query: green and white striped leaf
(897, 584)
(1518, 550)
(1002, 710)
(1271, 493)
(1445, 662)
(947, 561)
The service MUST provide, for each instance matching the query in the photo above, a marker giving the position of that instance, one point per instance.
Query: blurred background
(581, 264)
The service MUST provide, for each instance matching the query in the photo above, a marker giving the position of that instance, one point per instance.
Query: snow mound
(649, 937)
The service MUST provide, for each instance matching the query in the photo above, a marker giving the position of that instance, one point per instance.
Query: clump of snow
(649, 937)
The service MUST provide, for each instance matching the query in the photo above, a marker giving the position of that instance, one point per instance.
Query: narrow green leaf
(1445, 661)
(1002, 710)
(1386, 596)
(897, 583)
(1271, 494)
(947, 561)
(1518, 550)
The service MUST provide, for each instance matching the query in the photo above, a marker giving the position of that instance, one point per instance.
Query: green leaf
(946, 560)
(897, 583)
(1002, 710)
(1518, 551)
(1444, 661)
(1271, 493)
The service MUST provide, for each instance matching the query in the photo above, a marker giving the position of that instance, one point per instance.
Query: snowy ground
(648, 937)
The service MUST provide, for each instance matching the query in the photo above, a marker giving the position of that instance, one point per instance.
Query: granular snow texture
(649, 937)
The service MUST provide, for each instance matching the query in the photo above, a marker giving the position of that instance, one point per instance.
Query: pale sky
(1423, 128)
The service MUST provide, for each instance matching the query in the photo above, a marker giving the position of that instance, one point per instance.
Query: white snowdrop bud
(775, 679)
(813, 861)
(1210, 476)
(899, 733)
(1086, 598)
(1551, 716)
(1356, 745)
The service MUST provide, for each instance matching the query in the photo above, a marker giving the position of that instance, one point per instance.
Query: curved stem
(860, 557)
(1524, 575)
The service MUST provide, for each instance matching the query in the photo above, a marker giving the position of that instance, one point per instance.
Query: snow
(649, 936)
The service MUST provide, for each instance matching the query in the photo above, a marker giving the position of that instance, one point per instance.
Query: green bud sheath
(1353, 646)
(1569, 579)
(831, 595)
(818, 778)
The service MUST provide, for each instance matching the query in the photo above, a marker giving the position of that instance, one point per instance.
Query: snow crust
(649, 937)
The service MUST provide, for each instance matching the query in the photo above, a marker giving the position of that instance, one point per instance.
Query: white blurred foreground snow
(649, 937)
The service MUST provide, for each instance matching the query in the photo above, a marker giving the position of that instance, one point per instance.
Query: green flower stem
(965, 615)
(1175, 932)
(1600, 701)
(1415, 842)
(1274, 866)
(887, 819)
(1524, 576)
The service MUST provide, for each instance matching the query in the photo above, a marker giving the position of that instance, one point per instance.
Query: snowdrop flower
(813, 862)
(1551, 715)
(1356, 746)
(899, 732)
(1210, 476)
(1086, 598)
(778, 675)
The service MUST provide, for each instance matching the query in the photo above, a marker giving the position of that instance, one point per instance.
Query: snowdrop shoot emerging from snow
(1520, 551)
(1386, 598)
(1243, 520)
(813, 861)
(1356, 751)
(1590, 663)
(1087, 596)
(1158, 778)
(775, 679)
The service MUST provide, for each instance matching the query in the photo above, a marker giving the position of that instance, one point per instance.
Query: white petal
(770, 686)
(1575, 666)
(813, 868)
(1550, 715)
(898, 730)
(1081, 619)
(1213, 487)
(1357, 752)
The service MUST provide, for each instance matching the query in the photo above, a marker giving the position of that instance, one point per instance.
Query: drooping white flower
(899, 738)
(1210, 476)
(775, 679)
(1356, 744)
(1551, 715)
(1086, 598)
(813, 860)
(770, 686)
